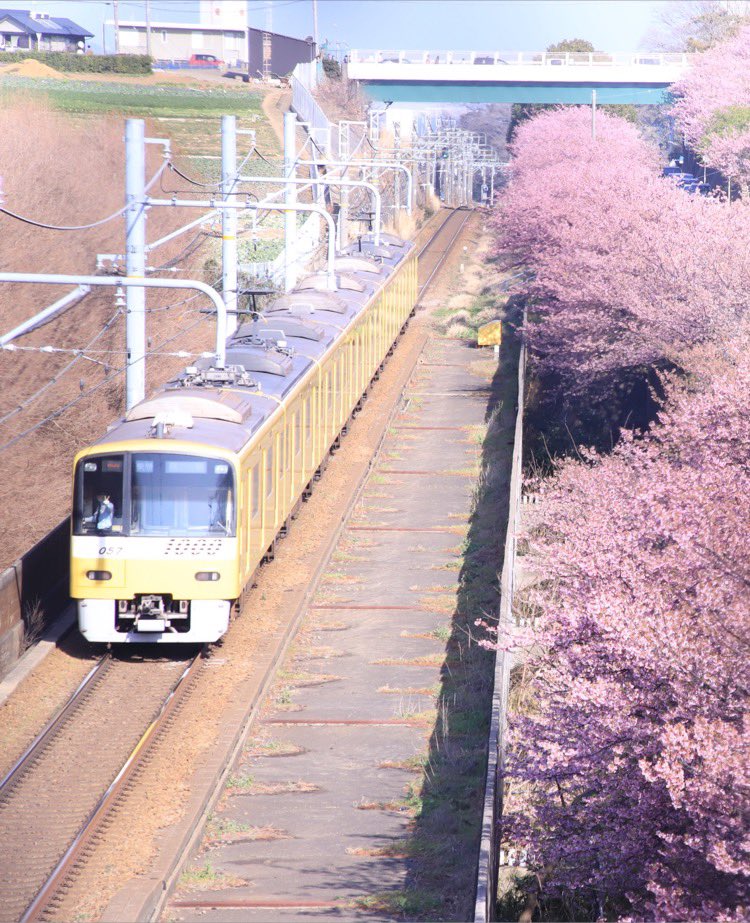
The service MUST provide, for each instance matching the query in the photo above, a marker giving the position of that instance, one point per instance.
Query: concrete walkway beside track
(316, 819)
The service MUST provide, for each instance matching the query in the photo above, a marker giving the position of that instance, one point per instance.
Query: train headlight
(207, 575)
(98, 575)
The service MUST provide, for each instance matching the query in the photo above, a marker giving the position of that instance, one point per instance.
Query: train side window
(255, 491)
(297, 432)
(269, 471)
(282, 452)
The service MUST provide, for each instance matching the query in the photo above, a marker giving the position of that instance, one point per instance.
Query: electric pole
(315, 27)
(116, 12)
(135, 260)
(229, 218)
(148, 28)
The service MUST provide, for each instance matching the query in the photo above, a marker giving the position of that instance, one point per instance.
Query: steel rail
(198, 824)
(437, 233)
(36, 908)
(447, 250)
(53, 725)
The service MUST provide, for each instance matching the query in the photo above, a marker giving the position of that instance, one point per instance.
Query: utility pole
(593, 115)
(116, 13)
(397, 177)
(290, 197)
(135, 260)
(229, 218)
(148, 28)
(315, 27)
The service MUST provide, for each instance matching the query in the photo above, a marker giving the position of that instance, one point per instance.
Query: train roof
(265, 357)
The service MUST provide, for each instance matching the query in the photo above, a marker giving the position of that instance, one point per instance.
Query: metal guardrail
(537, 58)
(487, 866)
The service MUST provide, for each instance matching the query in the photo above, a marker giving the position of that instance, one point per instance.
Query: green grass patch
(135, 99)
(207, 878)
(240, 783)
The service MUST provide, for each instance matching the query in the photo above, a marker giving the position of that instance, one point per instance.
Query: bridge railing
(539, 58)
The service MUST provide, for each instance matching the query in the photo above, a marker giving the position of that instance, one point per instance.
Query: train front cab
(154, 543)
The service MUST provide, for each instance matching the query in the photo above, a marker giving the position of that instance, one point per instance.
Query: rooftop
(44, 24)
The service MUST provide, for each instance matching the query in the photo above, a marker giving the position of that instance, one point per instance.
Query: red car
(205, 60)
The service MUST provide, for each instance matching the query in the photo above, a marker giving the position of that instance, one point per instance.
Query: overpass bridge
(430, 77)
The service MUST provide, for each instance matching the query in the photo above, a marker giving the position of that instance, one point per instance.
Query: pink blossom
(712, 108)
(635, 758)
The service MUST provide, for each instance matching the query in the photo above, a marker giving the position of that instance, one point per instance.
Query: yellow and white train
(178, 504)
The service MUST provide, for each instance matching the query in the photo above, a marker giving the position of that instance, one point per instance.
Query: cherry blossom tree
(636, 755)
(630, 272)
(713, 107)
(639, 751)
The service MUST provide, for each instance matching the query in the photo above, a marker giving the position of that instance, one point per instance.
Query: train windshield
(181, 495)
(154, 493)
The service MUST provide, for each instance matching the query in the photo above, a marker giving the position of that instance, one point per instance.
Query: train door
(391, 309)
(269, 493)
(308, 436)
(338, 391)
(349, 397)
(299, 460)
(282, 476)
(371, 343)
(316, 439)
(243, 521)
(361, 358)
(256, 545)
(330, 375)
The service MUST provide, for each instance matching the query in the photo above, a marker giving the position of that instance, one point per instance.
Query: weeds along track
(77, 771)
(58, 800)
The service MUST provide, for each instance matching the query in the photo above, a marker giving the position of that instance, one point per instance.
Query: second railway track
(59, 793)
(55, 800)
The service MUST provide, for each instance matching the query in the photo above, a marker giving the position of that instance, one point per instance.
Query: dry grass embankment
(69, 170)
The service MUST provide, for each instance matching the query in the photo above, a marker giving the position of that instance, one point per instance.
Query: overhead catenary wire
(109, 378)
(84, 353)
(195, 182)
(58, 375)
(80, 353)
(78, 227)
(211, 185)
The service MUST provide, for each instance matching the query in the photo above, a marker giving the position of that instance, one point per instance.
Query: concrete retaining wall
(32, 593)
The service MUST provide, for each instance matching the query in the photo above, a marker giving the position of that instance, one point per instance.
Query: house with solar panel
(29, 30)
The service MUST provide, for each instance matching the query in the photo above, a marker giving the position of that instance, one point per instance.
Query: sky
(498, 25)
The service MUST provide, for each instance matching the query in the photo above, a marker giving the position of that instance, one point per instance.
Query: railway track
(431, 256)
(57, 799)
(61, 792)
